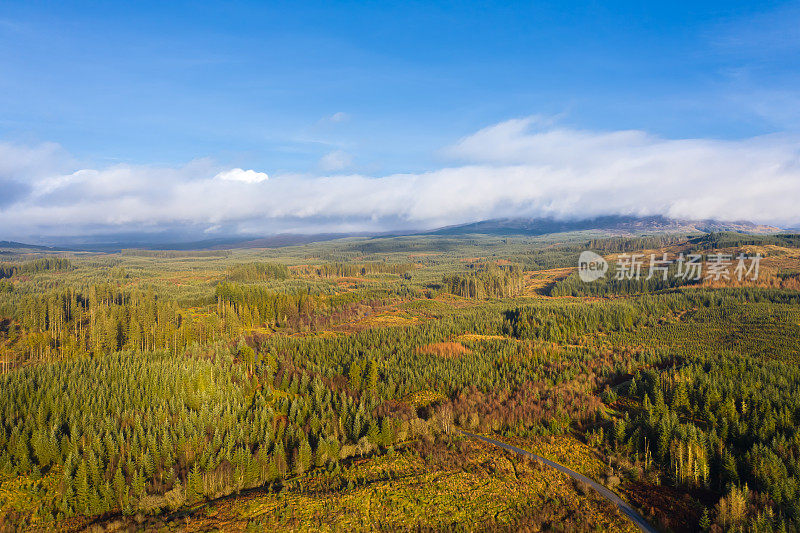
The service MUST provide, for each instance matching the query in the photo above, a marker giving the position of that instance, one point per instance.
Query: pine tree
(680, 399)
(138, 484)
(147, 463)
(373, 376)
(120, 488)
(95, 502)
(705, 521)
(322, 452)
(65, 505)
(109, 501)
(194, 485)
(22, 454)
(387, 432)
(619, 432)
(281, 464)
(304, 457)
(355, 375)
(729, 473)
(633, 389)
(82, 488)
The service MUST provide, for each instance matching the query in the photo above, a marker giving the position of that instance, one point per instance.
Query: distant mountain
(615, 223)
(289, 239)
(271, 241)
(22, 246)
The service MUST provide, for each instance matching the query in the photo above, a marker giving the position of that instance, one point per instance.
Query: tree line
(44, 264)
(486, 281)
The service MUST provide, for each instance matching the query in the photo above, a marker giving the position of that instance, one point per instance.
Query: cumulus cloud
(519, 167)
(238, 174)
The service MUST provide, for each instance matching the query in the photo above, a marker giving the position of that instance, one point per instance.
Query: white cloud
(334, 161)
(516, 168)
(245, 176)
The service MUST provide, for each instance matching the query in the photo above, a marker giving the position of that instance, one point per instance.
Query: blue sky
(252, 83)
(376, 89)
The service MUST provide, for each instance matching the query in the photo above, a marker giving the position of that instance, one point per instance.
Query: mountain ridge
(658, 223)
(614, 225)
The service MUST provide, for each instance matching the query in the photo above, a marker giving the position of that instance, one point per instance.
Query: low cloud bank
(521, 167)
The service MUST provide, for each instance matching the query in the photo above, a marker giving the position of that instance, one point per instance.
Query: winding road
(623, 506)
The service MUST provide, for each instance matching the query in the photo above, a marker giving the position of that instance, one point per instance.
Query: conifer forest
(338, 385)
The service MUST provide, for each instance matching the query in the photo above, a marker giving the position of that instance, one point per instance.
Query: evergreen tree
(304, 457)
(82, 488)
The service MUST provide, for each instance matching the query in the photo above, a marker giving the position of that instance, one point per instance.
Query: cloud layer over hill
(521, 167)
